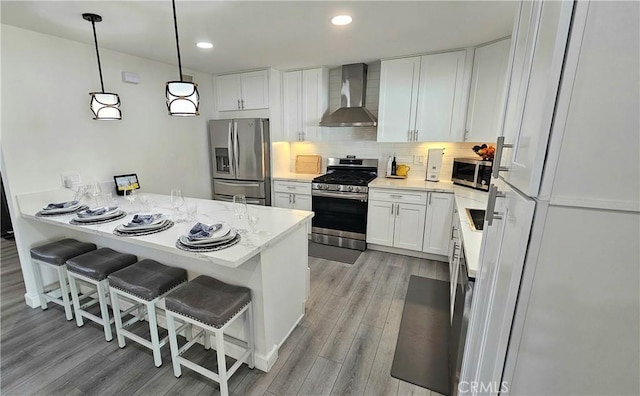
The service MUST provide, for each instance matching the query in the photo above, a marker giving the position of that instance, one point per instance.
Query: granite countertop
(295, 177)
(465, 197)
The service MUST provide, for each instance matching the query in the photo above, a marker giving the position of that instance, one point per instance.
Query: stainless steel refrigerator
(240, 161)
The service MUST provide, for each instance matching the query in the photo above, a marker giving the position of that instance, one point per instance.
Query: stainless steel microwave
(472, 172)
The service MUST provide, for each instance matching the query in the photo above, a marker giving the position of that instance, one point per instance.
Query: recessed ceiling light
(341, 20)
(204, 44)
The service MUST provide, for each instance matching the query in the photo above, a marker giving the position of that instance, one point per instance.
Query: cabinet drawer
(400, 196)
(292, 187)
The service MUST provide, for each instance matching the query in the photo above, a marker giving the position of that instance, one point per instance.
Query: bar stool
(144, 284)
(212, 306)
(54, 255)
(92, 269)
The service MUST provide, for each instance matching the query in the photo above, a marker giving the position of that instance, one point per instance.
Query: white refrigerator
(556, 306)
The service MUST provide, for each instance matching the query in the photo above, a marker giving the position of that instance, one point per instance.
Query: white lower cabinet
(437, 229)
(292, 195)
(396, 218)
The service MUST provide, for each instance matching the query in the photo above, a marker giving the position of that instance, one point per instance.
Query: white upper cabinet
(423, 98)
(243, 91)
(442, 97)
(540, 36)
(488, 93)
(399, 79)
(305, 100)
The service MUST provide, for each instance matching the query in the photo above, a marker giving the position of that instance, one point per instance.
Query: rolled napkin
(143, 219)
(97, 211)
(202, 231)
(60, 205)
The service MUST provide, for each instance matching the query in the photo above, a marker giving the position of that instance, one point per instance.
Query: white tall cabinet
(305, 95)
(423, 98)
(488, 94)
(570, 323)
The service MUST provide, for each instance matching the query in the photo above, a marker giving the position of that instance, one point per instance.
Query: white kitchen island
(273, 262)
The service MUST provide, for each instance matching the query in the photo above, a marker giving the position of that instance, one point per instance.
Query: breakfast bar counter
(272, 261)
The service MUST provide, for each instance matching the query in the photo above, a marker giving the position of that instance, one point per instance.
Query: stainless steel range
(339, 200)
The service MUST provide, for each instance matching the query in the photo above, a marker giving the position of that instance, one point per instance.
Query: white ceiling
(280, 34)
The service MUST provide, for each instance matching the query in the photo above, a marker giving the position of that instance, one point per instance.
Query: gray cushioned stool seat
(57, 253)
(208, 300)
(147, 279)
(100, 263)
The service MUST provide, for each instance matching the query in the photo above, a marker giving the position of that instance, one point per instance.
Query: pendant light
(182, 96)
(104, 105)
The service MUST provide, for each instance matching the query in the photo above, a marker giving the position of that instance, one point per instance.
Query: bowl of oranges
(486, 152)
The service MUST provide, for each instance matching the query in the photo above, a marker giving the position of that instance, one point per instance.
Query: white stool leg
(37, 275)
(115, 305)
(153, 328)
(104, 310)
(252, 354)
(207, 339)
(64, 289)
(222, 365)
(74, 296)
(173, 343)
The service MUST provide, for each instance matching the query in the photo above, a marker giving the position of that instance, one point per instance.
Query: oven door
(339, 216)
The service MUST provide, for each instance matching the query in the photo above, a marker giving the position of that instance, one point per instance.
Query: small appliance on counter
(472, 172)
(434, 163)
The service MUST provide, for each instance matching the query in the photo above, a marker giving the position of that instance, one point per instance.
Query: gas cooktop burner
(348, 178)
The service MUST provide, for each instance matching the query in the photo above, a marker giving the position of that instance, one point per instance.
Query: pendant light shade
(182, 96)
(104, 105)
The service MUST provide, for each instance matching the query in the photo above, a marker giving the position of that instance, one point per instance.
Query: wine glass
(240, 209)
(129, 193)
(95, 191)
(253, 220)
(177, 200)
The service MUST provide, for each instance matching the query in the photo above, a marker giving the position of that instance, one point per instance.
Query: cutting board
(308, 164)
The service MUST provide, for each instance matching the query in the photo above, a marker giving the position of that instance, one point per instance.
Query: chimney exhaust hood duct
(352, 112)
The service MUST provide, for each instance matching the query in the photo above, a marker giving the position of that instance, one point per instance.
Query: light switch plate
(70, 179)
(418, 159)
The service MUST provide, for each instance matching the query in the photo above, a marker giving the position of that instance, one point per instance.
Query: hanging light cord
(95, 39)
(175, 24)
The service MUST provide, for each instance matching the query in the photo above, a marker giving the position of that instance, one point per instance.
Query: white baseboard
(32, 301)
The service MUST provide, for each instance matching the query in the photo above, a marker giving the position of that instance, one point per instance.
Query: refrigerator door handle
(235, 184)
(231, 153)
(236, 149)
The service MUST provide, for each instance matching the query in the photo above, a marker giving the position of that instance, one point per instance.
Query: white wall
(47, 127)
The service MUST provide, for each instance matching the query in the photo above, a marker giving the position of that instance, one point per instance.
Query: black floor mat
(422, 350)
(333, 253)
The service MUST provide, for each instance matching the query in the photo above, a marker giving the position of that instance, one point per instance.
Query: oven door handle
(341, 195)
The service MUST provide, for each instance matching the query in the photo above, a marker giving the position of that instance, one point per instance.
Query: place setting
(61, 208)
(144, 224)
(208, 237)
(98, 215)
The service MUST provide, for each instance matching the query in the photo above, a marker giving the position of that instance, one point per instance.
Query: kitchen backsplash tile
(404, 152)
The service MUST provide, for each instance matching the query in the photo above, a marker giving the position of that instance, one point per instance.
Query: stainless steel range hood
(352, 112)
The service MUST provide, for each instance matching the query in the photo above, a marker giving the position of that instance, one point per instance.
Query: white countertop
(274, 224)
(465, 197)
(299, 177)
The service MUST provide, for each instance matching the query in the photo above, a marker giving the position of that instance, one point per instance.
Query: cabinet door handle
(238, 104)
(291, 187)
(430, 195)
(395, 196)
(289, 199)
(397, 209)
(392, 205)
(409, 135)
(498, 157)
(490, 214)
(294, 198)
(242, 101)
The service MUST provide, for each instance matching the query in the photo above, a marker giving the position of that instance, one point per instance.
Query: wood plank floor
(344, 345)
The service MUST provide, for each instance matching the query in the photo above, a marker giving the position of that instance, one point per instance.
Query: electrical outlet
(418, 159)
(70, 179)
